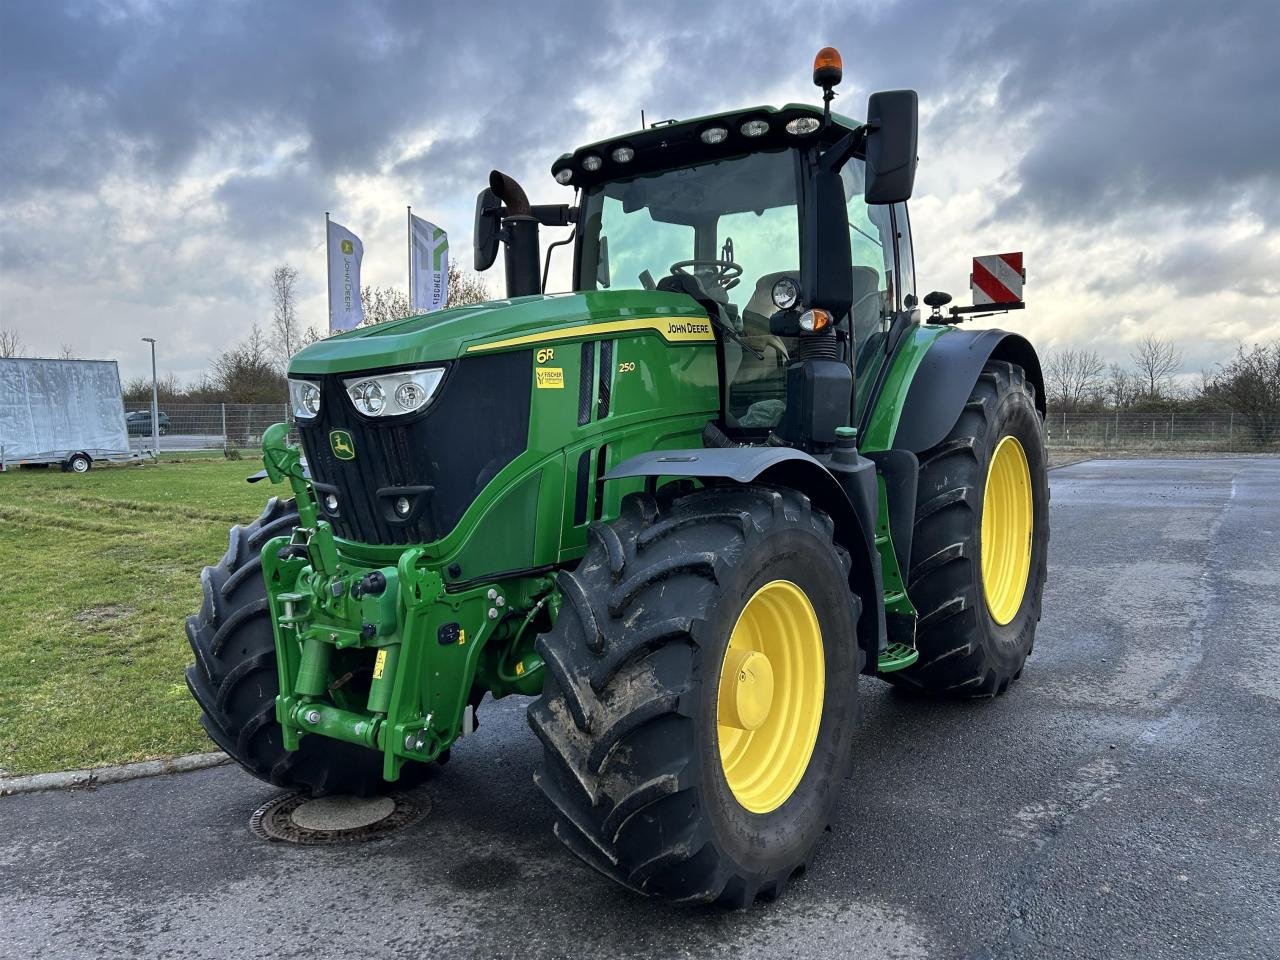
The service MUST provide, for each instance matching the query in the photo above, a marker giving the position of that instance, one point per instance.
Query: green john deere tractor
(683, 507)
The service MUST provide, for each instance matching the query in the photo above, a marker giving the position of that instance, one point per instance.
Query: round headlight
(755, 128)
(786, 293)
(410, 396)
(369, 398)
(311, 398)
(591, 163)
(803, 125)
(304, 399)
(713, 135)
(564, 175)
(622, 154)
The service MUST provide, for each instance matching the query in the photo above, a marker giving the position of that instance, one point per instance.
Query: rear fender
(945, 378)
(786, 467)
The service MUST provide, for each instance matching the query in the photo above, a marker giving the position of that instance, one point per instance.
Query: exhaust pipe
(510, 193)
(520, 237)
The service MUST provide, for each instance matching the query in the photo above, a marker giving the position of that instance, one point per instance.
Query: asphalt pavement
(1122, 800)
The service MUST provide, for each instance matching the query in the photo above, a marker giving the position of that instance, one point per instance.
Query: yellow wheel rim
(769, 703)
(1007, 528)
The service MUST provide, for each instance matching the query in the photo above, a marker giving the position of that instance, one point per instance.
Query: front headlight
(304, 397)
(393, 394)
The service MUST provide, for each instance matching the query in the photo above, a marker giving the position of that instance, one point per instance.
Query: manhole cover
(300, 818)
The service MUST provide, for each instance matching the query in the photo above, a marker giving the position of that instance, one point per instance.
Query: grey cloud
(1155, 109)
(269, 206)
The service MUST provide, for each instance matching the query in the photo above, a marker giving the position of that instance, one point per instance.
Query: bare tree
(387, 303)
(1073, 377)
(67, 352)
(137, 391)
(247, 372)
(1120, 388)
(285, 339)
(466, 287)
(1157, 361)
(382, 304)
(1250, 385)
(11, 344)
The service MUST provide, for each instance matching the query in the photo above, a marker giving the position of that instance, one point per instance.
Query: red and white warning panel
(997, 279)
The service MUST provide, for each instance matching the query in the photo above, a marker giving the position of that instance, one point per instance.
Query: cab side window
(906, 256)
(871, 238)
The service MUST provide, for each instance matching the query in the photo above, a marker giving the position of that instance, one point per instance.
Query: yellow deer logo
(342, 445)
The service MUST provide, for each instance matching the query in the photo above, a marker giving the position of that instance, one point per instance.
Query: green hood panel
(446, 335)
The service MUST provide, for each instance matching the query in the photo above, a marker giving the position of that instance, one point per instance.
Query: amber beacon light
(828, 68)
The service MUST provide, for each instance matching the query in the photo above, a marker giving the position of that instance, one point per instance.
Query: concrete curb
(72, 779)
(1071, 463)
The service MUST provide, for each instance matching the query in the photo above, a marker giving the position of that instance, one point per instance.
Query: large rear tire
(234, 678)
(672, 769)
(981, 542)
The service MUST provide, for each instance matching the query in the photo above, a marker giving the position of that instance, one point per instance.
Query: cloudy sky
(158, 158)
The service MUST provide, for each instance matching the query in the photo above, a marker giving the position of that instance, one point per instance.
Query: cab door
(883, 276)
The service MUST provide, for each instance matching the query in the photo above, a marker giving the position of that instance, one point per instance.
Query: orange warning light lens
(815, 320)
(828, 68)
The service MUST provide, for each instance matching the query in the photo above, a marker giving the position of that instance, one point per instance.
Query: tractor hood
(518, 323)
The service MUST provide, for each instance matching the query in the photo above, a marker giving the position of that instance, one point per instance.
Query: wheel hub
(746, 689)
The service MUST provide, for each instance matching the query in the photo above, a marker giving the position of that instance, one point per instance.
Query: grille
(438, 460)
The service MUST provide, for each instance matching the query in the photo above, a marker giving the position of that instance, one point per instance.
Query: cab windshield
(733, 226)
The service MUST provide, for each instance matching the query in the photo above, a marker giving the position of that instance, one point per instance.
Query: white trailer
(68, 412)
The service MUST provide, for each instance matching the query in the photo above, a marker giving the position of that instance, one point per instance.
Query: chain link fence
(189, 427)
(1132, 430)
(221, 426)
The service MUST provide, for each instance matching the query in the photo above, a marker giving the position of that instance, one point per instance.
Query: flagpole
(409, 222)
(328, 270)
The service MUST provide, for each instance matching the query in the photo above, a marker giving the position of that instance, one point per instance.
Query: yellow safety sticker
(380, 664)
(549, 378)
(462, 636)
(519, 668)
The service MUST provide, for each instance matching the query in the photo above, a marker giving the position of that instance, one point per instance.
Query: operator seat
(755, 330)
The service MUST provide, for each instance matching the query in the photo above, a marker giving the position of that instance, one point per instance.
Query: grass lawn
(97, 574)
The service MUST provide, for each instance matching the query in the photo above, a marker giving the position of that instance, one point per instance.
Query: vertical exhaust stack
(520, 235)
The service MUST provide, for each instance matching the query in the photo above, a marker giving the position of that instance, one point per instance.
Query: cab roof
(668, 144)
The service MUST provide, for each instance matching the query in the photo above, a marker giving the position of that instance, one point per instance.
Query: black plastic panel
(439, 460)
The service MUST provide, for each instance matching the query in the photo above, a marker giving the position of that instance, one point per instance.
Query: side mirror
(485, 234)
(892, 117)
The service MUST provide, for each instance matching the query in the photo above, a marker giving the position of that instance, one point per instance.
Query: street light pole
(155, 402)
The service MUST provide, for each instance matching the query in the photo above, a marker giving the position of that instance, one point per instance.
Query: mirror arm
(835, 156)
(554, 214)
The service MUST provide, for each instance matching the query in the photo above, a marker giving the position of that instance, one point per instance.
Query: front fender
(787, 467)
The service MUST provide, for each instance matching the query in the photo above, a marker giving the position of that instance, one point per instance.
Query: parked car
(139, 423)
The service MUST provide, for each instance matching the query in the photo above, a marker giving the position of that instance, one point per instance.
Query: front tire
(234, 678)
(981, 542)
(677, 610)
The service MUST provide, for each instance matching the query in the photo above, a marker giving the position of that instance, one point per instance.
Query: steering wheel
(725, 273)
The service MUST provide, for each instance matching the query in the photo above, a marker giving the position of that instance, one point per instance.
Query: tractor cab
(727, 231)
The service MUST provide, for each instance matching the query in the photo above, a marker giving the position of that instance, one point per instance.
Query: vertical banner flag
(345, 253)
(428, 265)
